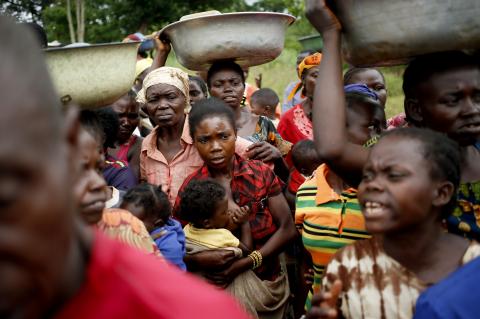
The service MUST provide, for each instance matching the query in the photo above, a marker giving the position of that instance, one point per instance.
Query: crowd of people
(193, 196)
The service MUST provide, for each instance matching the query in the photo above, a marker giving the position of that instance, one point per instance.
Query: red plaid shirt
(252, 184)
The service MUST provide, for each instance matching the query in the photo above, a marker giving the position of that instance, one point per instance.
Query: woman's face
(309, 80)
(165, 105)
(196, 93)
(397, 191)
(228, 86)
(214, 138)
(449, 102)
(90, 187)
(374, 80)
(127, 110)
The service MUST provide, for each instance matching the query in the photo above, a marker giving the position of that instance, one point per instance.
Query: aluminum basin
(92, 76)
(386, 32)
(250, 38)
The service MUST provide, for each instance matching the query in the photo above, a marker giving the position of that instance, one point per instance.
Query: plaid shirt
(252, 184)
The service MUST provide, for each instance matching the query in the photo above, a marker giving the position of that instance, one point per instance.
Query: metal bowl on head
(386, 32)
(249, 38)
(92, 76)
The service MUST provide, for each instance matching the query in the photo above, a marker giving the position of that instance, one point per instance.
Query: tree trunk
(70, 22)
(80, 12)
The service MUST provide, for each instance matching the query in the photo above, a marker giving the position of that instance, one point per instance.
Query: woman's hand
(163, 48)
(324, 304)
(225, 277)
(321, 17)
(263, 151)
(162, 45)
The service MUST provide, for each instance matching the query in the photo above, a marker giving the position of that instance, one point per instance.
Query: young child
(305, 161)
(150, 204)
(205, 206)
(305, 158)
(408, 186)
(264, 102)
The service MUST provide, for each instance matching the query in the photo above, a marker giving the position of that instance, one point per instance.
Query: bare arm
(246, 240)
(286, 231)
(329, 115)
(163, 48)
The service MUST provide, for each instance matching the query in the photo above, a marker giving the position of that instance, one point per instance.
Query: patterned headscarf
(166, 75)
(309, 62)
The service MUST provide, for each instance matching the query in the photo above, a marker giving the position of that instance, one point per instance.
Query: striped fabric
(327, 222)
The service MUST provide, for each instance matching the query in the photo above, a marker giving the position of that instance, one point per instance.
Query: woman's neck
(417, 248)
(471, 164)
(171, 133)
(226, 172)
(307, 108)
(124, 141)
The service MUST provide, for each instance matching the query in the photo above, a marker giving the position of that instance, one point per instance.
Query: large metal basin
(387, 32)
(95, 75)
(250, 38)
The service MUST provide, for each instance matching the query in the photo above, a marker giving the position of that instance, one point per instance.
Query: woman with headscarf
(296, 124)
(168, 155)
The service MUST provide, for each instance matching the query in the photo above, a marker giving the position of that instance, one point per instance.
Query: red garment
(296, 180)
(122, 153)
(295, 126)
(124, 283)
(252, 184)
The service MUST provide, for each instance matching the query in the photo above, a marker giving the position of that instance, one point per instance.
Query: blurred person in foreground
(51, 265)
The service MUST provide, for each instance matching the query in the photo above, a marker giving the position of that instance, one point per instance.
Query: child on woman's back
(150, 204)
(204, 205)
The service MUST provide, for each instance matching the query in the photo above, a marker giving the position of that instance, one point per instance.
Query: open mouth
(373, 209)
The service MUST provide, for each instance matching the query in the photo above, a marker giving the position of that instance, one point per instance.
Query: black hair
(264, 97)
(347, 77)
(301, 149)
(224, 65)
(39, 33)
(208, 108)
(90, 121)
(110, 122)
(422, 68)
(199, 200)
(201, 83)
(153, 200)
(442, 152)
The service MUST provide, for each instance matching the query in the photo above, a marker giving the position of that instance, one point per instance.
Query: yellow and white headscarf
(166, 75)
